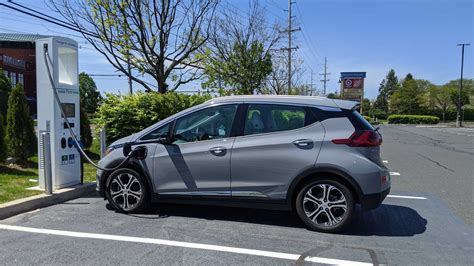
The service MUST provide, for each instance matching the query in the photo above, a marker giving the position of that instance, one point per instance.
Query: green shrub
(5, 89)
(371, 121)
(413, 119)
(86, 134)
(380, 114)
(20, 136)
(124, 115)
(2, 139)
(451, 114)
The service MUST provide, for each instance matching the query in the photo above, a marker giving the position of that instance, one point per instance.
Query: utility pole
(312, 82)
(289, 48)
(325, 74)
(458, 116)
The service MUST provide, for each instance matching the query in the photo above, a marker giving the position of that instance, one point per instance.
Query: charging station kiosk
(65, 159)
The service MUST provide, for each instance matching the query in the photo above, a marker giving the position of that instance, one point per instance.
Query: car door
(197, 162)
(278, 142)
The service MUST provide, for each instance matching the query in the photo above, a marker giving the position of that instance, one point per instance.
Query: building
(18, 62)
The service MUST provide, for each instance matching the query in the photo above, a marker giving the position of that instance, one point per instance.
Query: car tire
(127, 191)
(325, 212)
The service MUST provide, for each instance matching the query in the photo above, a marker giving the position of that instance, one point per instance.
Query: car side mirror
(164, 140)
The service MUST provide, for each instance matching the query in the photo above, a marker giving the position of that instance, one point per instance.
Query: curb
(16, 207)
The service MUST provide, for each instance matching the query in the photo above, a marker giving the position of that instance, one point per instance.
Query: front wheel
(127, 191)
(325, 205)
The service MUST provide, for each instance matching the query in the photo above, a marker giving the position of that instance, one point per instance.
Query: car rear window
(361, 121)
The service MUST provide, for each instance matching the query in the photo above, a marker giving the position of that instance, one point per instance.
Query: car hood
(122, 140)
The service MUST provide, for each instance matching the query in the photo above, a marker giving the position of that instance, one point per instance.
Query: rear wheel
(325, 205)
(127, 191)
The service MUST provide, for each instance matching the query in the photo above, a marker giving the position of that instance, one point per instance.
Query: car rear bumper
(372, 201)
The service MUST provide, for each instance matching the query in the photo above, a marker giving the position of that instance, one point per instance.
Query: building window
(13, 78)
(21, 79)
(5, 72)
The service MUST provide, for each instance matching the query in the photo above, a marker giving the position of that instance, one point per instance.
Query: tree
(245, 71)
(442, 97)
(86, 134)
(467, 85)
(408, 98)
(158, 39)
(20, 136)
(238, 52)
(391, 84)
(90, 97)
(381, 102)
(277, 81)
(5, 89)
(2, 139)
(464, 97)
(366, 106)
(334, 95)
(387, 88)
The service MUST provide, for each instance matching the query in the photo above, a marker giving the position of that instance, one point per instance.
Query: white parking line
(394, 173)
(255, 252)
(404, 197)
(385, 161)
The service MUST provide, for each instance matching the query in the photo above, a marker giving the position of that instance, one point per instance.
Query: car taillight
(361, 138)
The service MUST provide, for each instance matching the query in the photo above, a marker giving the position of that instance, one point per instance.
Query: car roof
(287, 99)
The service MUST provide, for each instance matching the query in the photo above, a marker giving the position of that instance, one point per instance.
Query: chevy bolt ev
(314, 155)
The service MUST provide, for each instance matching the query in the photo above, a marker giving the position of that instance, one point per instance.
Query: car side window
(161, 132)
(208, 124)
(266, 118)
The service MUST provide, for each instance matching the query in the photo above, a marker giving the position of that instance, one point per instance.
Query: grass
(14, 180)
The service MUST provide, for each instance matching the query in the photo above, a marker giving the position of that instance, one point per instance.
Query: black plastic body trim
(257, 203)
(372, 201)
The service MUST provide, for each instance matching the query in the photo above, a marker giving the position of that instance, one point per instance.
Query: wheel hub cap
(325, 205)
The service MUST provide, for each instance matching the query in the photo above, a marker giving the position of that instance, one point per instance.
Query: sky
(411, 36)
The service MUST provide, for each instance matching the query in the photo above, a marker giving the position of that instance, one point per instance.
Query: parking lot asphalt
(433, 160)
(421, 222)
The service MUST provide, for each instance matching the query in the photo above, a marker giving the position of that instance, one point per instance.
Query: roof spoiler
(348, 105)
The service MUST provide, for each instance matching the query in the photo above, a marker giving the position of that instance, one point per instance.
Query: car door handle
(304, 143)
(218, 151)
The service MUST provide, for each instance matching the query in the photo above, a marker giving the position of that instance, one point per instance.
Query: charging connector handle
(47, 62)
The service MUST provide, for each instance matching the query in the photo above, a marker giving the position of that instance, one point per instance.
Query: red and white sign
(353, 83)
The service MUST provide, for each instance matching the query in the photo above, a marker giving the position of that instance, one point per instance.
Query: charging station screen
(69, 109)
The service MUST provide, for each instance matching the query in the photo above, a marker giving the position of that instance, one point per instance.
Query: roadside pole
(48, 175)
(458, 116)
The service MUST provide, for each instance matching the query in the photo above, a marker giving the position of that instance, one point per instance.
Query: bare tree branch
(158, 38)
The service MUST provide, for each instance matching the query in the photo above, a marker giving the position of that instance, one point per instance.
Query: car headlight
(109, 150)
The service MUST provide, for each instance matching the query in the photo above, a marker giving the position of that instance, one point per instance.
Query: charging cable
(47, 61)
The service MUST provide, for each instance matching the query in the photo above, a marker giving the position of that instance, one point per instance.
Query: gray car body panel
(265, 164)
(261, 166)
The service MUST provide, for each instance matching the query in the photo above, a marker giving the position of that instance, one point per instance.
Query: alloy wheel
(325, 205)
(126, 191)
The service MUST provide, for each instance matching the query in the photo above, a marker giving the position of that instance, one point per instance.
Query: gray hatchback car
(314, 155)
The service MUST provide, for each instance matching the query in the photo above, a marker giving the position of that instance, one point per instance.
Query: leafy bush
(371, 121)
(21, 137)
(379, 113)
(451, 114)
(413, 119)
(2, 139)
(86, 134)
(124, 115)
